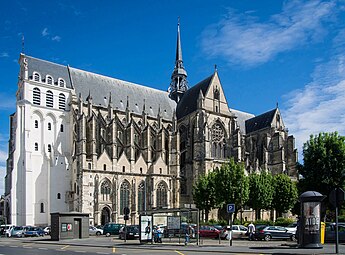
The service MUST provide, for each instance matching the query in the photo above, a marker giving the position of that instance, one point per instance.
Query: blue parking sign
(231, 208)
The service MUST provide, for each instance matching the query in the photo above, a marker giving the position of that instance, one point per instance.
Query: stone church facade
(85, 142)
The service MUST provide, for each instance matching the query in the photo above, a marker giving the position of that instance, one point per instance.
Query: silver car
(95, 231)
(237, 232)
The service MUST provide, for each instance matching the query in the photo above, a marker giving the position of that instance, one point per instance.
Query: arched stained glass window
(218, 141)
(124, 196)
(162, 195)
(141, 197)
(105, 190)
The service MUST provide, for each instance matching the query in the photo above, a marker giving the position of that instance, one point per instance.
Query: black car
(273, 232)
(330, 232)
(130, 232)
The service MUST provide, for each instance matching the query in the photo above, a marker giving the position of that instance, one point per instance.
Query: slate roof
(44, 68)
(259, 122)
(241, 119)
(100, 86)
(189, 101)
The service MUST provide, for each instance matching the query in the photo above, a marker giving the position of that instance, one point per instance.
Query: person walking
(251, 230)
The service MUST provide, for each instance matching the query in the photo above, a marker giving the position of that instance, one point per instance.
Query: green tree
(260, 191)
(231, 185)
(285, 193)
(324, 163)
(204, 193)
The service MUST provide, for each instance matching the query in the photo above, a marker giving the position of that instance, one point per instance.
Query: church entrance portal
(105, 216)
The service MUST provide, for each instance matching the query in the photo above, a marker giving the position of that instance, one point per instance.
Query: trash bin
(323, 232)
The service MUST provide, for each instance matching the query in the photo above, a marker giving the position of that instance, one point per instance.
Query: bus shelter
(172, 220)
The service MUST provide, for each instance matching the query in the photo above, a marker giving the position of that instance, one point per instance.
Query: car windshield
(133, 228)
(18, 228)
(261, 227)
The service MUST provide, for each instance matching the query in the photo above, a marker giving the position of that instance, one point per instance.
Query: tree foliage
(204, 193)
(324, 163)
(285, 193)
(260, 191)
(227, 184)
(231, 185)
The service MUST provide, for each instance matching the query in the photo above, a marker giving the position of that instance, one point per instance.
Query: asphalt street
(112, 245)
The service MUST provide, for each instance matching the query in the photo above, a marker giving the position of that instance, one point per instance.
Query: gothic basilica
(81, 141)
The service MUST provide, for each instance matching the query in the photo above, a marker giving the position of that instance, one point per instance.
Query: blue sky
(290, 52)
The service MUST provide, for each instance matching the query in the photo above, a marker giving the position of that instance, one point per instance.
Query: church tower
(178, 84)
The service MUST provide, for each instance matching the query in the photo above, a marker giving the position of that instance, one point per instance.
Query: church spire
(178, 84)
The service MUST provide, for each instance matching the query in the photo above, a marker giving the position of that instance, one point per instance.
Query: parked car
(33, 231)
(6, 230)
(99, 226)
(292, 227)
(47, 230)
(273, 232)
(209, 231)
(129, 232)
(330, 232)
(95, 231)
(17, 231)
(238, 231)
(112, 228)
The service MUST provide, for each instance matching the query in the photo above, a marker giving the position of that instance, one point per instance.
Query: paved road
(104, 245)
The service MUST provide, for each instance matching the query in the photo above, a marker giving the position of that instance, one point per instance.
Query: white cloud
(45, 32)
(4, 55)
(3, 157)
(56, 38)
(320, 105)
(243, 39)
(48, 35)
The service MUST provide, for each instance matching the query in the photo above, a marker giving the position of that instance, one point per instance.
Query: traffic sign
(231, 208)
(337, 197)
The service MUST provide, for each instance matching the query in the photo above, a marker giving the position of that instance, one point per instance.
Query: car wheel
(293, 238)
(267, 237)
(107, 234)
(98, 233)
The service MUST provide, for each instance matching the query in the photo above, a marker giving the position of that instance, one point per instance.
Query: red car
(209, 231)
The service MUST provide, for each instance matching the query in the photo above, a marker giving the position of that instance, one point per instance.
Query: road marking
(179, 252)
(14, 246)
(102, 252)
(114, 249)
(65, 247)
(43, 249)
(80, 251)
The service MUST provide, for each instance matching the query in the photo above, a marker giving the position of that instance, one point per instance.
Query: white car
(238, 231)
(292, 228)
(95, 231)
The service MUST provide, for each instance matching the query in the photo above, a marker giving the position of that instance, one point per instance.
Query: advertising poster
(174, 222)
(312, 217)
(146, 225)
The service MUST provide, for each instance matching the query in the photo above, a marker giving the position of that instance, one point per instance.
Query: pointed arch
(105, 189)
(141, 196)
(218, 140)
(161, 195)
(124, 195)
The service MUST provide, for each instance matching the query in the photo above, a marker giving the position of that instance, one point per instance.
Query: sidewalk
(207, 246)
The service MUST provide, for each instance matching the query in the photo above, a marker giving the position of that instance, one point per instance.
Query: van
(112, 228)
